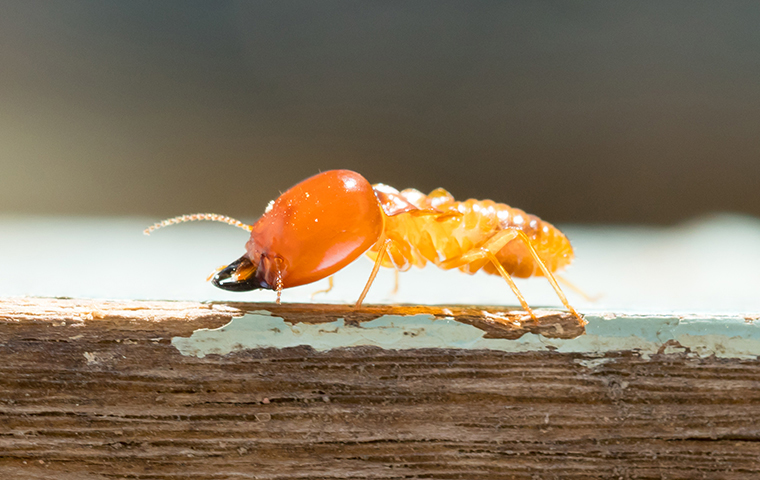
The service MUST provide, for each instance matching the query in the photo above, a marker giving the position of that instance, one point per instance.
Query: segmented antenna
(196, 217)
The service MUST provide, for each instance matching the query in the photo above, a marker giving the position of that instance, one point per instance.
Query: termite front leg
(331, 284)
(386, 243)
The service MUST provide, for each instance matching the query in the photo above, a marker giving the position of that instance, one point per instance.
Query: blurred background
(579, 112)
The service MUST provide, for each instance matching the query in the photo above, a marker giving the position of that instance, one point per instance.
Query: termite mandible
(329, 220)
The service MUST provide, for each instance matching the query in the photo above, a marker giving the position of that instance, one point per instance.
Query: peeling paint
(726, 337)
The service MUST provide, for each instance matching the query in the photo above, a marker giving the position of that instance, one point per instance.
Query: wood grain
(182, 318)
(110, 397)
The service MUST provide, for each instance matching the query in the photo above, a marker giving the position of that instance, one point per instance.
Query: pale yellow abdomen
(443, 229)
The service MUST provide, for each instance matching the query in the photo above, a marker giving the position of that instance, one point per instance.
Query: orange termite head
(310, 232)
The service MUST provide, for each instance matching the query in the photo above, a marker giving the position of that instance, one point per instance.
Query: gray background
(618, 112)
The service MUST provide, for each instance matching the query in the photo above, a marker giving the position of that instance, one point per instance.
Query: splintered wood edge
(184, 317)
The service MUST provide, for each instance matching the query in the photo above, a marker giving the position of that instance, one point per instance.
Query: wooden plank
(107, 395)
(181, 318)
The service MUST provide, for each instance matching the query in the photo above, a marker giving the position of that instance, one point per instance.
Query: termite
(322, 224)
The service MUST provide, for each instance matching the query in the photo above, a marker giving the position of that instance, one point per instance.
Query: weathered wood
(182, 318)
(111, 397)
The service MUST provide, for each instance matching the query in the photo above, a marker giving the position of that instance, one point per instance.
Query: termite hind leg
(330, 286)
(375, 269)
(549, 276)
(395, 282)
(567, 283)
(494, 244)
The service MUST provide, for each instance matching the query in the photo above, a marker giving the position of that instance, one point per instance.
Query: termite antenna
(196, 217)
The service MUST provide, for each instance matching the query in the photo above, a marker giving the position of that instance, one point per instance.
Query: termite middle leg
(508, 278)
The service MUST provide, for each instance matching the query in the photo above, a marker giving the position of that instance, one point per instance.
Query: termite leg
(330, 286)
(494, 244)
(375, 269)
(567, 283)
(395, 282)
(487, 251)
(508, 278)
(548, 274)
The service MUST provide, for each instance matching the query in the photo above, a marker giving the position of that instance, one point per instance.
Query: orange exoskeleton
(327, 221)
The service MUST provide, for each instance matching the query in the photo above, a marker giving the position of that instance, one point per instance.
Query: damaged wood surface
(106, 395)
(183, 317)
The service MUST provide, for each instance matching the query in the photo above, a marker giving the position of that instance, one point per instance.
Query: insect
(322, 224)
